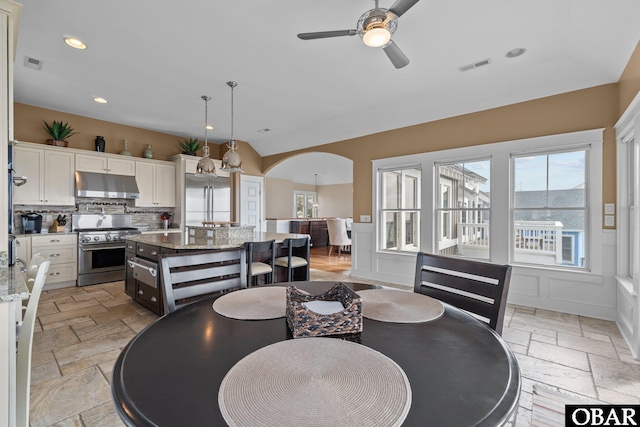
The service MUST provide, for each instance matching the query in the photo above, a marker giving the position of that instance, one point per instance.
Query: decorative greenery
(59, 131)
(190, 145)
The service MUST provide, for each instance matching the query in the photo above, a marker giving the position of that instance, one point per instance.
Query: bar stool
(264, 264)
(295, 259)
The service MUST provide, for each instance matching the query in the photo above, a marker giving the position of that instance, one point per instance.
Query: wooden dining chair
(261, 258)
(191, 276)
(25, 344)
(479, 288)
(297, 256)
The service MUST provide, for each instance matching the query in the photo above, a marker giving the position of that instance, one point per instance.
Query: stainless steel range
(101, 255)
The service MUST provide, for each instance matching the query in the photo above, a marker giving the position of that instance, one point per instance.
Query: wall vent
(474, 65)
(33, 63)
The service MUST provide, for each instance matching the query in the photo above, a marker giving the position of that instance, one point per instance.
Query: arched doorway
(311, 187)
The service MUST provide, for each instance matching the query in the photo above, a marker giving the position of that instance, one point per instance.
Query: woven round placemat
(253, 303)
(315, 382)
(390, 305)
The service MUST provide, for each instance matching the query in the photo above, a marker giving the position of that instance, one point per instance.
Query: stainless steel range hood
(89, 184)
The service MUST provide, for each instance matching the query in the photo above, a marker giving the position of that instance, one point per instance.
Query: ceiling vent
(34, 63)
(474, 65)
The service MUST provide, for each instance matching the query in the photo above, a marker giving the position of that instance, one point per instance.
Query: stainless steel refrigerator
(207, 198)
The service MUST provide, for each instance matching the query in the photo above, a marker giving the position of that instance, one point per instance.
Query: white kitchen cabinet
(157, 184)
(23, 249)
(103, 164)
(62, 250)
(50, 179)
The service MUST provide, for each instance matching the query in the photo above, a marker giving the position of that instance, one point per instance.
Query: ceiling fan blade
(401, 6)
(327, 34)
(398, 59)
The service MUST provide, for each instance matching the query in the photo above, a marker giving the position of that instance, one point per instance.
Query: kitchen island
(142, 258)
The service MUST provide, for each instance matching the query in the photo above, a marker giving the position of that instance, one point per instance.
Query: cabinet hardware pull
(140, 292)
(134, 264)
(54, 255)
(154, 299)
(57, 273)
(54, 241)
(154, 253)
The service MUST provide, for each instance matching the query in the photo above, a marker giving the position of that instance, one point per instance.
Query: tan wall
(629, 83)
(29, 127)
(335, 200)
(591, 108)
(278, 198)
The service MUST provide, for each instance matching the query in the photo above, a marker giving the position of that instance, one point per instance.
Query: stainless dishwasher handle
(134, 264)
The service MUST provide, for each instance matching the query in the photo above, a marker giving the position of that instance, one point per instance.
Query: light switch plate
(609, 220)
(609, 208)
(365, 218)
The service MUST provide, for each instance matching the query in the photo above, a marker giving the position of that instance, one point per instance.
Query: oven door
(100, 257)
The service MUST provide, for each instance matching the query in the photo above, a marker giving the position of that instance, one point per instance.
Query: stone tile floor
(81, 331)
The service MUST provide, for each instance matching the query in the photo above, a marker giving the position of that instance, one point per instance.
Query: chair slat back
(189, 277)
(477, 287)
(25, 344)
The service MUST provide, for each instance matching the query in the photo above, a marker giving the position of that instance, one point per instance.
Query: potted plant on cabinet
(59, 132)
(190, 146)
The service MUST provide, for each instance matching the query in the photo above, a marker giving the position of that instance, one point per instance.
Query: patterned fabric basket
(306, 323)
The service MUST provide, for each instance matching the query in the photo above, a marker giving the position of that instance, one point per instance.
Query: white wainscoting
(574, 292)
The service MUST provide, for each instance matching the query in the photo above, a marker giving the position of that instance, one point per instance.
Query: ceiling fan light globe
(376, 37)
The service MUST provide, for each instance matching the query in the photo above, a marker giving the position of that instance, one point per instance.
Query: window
(399, 215)
(550, 207)
(463, 208)
(305, 204)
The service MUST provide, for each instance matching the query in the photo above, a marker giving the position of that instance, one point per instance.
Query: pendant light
(205, 164)
(231, 161)
(315, 193)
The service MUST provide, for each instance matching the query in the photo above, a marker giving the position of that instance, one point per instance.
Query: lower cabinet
(62, 250)
(142, 278)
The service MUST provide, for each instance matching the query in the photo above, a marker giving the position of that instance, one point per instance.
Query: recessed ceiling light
(100, 100)
(75, 43)
(514, 53)
(208, 127)
(265, 130)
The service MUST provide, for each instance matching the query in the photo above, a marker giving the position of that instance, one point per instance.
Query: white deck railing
(533, 238)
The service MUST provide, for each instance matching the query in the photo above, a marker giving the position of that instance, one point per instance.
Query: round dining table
(461, 372)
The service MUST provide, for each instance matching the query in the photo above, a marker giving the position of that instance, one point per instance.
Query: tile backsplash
(142, 218)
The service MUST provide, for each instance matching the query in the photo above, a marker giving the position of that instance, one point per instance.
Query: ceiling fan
(376, 26)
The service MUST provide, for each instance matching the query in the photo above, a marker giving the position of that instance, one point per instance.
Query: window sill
(627, 284)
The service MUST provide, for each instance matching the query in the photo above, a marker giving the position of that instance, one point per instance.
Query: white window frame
(296, 193)
(471, 211)
(501, 179)
(400, 248)
(628, 212)
(586, 208)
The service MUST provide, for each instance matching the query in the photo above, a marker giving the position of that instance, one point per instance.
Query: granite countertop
(12, 285)
(184, 241)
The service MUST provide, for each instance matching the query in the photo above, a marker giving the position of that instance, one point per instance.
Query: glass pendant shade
(205, 164)
(231, 161)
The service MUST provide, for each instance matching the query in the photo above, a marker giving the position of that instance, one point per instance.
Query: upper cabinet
(157, 184)
(50, 179)
(104, 164)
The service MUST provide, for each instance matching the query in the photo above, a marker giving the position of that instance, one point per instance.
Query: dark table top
(461, 372)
